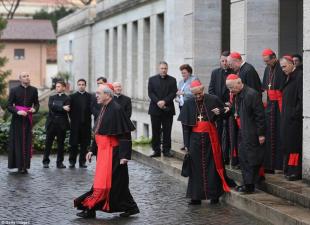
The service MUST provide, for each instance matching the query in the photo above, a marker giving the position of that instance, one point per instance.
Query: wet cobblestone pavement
(45, 196)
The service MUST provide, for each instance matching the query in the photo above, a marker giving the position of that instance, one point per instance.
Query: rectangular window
(19, 54)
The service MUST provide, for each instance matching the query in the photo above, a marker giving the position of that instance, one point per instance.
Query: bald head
(117, 88)
(24, 78)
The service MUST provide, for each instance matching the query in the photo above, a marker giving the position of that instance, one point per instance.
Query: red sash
(293, 159)
(207, 127)
(103, 175)
(275, 95)
(29, 115)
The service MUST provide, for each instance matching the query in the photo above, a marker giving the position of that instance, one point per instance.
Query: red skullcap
(235, 55)
(289, 58)
(110, 86)
(195, 83)
(267, 52)
(232, 77)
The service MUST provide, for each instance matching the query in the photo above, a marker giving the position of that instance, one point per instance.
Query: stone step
(295, 191)
(266, 207)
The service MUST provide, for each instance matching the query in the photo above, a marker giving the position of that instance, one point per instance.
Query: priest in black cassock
(248, 110)
(110, 191)
(218, 87)
(207, 179)
(57, 124)
(23, 102)
(123, 100)
(80, 129)
(291, 119)
(273, 81)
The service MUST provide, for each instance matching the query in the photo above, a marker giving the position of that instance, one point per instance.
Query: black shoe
(195, 202)
(130, 212)
(168, 154)
(269, 171)
(83, 165)
(155, 154)
(87, 214)
(245, 189)
(45, 165)
(61, 166)
(183, 149)
(214, 201)
(71, 166)
(293, 177)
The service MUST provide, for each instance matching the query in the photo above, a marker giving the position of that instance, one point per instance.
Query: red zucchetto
(232, 77)
(267, 52)
(235, 55)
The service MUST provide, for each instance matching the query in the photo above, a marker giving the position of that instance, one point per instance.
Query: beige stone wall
(306, 92)
(34, 62)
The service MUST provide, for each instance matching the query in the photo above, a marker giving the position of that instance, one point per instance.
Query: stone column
(156, 42)
(306, 93)
(121, 54)
(131, 75)
(207, 37)
(262, 34)
(143, 58)
(111, 57)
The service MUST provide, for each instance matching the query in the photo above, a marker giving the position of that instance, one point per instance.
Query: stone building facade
(125, 39)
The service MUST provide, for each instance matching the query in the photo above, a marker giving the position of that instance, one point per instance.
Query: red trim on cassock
(275, 95)
(238, 122)
(207, 127)
(261, 171)
(235, 152)
(293, 159)
(103, 175)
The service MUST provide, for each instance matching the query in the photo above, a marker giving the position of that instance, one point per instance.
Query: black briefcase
(186, 167)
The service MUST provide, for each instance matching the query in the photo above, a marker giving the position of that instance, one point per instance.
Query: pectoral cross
(200, 117)
(269, 86)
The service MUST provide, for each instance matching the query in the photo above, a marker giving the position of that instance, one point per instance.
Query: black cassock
(112, 129)
(208, 178)
(218, 87)
(20, 140)
(249, 111)
(273, 81)
(291, 123)
(125, 102)
(250, 77)
(80, 132)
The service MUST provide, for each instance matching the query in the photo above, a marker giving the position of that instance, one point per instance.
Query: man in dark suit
(123, 100)
(162, 90)
(57, 124)
(218, 87)
(80, 132)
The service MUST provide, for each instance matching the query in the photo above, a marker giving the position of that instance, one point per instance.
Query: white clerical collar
(82, 92)
(242, 64)
(60, 94)
(117, 95)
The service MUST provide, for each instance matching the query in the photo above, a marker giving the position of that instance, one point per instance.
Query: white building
(124, 40)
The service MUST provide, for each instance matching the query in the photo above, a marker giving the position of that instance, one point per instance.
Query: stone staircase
(276, 201)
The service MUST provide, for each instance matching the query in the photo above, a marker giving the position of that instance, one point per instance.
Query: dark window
(19, 54)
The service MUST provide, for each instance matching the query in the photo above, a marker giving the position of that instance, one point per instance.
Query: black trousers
(54, 130)
(162, 123)
(74, 150)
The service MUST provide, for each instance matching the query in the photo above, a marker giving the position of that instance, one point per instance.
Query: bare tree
(10, 6)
